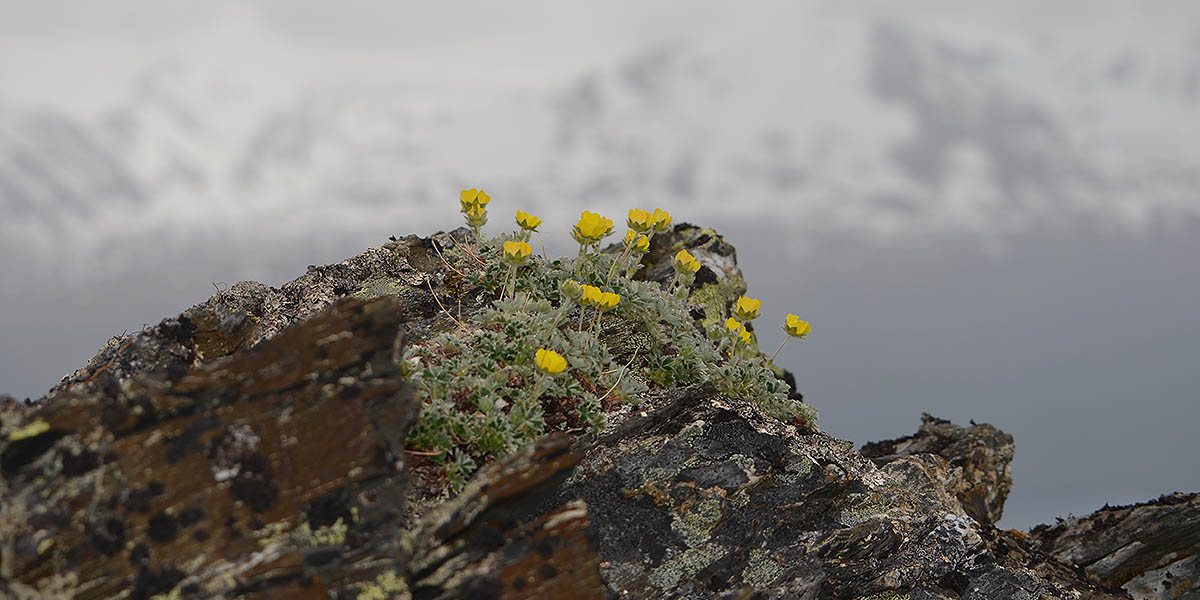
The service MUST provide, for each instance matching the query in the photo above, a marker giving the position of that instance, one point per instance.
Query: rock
(491, 541)
(1151, 549)
(255, 446)
(698, 496)
(249, 312)
(13, 409)
(982, 452)
(275, 470)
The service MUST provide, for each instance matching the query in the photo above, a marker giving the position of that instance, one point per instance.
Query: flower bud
(570, 289)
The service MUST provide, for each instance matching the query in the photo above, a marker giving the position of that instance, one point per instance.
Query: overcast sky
(987, 214)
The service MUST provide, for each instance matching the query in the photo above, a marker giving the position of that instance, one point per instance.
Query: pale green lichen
(653, 446)
(740, 498)
(331, 535)
(696, 521)
(745, 463)
(33, 429)
(861, 509)
(174, 594)
(387, 586)
(885, 595)
(303, 536)
(797, 469)
(760, 570)
(383, 286)
(716, 298)
(685, 565)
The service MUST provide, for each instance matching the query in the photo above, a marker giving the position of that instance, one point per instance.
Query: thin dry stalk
(439, 303)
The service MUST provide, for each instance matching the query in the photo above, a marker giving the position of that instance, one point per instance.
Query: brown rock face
(982, 452)
(1151, 549)
(204, 482)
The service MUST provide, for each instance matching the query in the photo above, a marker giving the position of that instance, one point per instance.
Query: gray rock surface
(1151, 549)
(981, 452)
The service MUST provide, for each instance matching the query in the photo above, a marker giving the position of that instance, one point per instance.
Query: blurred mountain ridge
(876, 128)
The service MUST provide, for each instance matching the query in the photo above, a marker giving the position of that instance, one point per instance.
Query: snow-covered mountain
(853, 123)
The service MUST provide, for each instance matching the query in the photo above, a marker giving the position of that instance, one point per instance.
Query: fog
(985, 215)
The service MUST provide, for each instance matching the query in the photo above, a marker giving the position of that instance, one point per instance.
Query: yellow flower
(747, 309)
(640, 220)
(639, 243)
(686, 263)
(516, 252)
(527, 221)
(795, 327)
(608, 300)
(476, 216)
(662, 220)
(642, 244)
(591, 228)
(591, 295)
(471, 198)
(738, 329)
(550, 361)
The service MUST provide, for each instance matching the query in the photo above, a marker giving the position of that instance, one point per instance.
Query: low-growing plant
(543, 358)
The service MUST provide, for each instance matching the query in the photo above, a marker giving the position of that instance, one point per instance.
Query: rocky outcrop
(1151, 549)
(254, 446)
(249, 312)
(279, 468)
(981, 452)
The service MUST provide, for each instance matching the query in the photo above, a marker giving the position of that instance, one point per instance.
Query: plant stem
(614, 266)
(596, 325)
(508, 274)
(537, 386)
(785, 341)
(543, 240)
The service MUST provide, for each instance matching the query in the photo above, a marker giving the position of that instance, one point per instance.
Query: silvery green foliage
(484, 397)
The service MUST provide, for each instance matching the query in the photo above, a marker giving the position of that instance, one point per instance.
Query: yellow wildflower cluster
(635, 242)
(589, 231)
(737, 329)
(474, 203)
